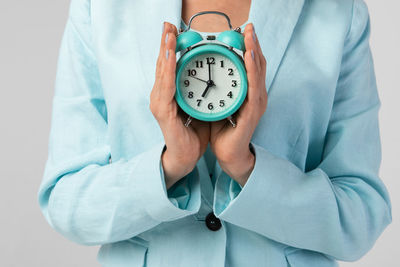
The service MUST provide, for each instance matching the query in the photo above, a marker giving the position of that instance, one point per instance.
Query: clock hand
(205, 91)
(198, 79)
(209, 84)
(209, 71)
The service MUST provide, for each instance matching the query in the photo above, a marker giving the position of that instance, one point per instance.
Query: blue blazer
(314, 195)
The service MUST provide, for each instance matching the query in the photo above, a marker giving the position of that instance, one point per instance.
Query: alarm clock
(211, 79)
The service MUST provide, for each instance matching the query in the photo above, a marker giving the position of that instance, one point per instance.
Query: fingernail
(167, 53)
(166, 38)
(163, 26)
(252, 53)
(254, 35)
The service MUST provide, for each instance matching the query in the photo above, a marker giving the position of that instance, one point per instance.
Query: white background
(30, 35)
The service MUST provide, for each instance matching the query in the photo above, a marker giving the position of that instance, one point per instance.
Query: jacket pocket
(131, 252)
(296, 257)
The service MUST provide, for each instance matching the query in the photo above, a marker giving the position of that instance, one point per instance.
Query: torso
(126, 39)
(237, 10)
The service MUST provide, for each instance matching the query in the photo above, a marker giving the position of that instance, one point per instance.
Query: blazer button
(212, 222)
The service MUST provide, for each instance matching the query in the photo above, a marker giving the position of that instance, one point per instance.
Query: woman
(295, 183)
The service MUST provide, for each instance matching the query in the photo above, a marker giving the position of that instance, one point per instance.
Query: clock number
(230, 94)
(230, 71)
(222, 103)
(190, 95)
(198, 102)
(234, 83)
(186, 82)
(192, 72)
(210, 106)
(222, 63)
(199, 64)
(210, 60)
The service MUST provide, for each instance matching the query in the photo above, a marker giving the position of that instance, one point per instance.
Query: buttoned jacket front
(314, 195)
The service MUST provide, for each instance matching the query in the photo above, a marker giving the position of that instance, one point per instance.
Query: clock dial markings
(223, 80)
(199, 63)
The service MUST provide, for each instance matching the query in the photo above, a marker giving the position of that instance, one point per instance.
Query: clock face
(210, 83)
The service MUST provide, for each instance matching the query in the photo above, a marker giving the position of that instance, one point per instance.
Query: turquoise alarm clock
(211, 79)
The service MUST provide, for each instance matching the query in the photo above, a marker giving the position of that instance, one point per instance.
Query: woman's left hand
(231, 145)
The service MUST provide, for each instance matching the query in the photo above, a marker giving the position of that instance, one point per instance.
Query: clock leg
(230, 118)
(188, 121)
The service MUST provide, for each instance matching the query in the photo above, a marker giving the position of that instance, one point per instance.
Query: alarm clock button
(212, 222)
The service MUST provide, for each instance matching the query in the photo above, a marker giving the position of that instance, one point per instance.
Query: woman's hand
(185, 145)
(231, 145)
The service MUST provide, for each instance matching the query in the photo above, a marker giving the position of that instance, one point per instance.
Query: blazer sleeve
(82, 195)
(341, 207)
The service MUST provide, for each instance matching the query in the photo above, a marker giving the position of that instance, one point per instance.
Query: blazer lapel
(274, 22)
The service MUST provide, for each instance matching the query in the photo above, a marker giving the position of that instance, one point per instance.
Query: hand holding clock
(177, 160)
(231, 145)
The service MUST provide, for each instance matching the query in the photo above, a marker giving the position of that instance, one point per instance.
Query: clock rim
(204, 49)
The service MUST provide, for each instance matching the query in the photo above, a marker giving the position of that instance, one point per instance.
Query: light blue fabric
(314, 195)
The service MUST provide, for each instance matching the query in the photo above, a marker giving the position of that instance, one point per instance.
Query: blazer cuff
(180, 200)
(179, 192)
(230, 198)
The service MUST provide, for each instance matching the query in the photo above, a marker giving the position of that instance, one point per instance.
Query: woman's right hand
(185, 145)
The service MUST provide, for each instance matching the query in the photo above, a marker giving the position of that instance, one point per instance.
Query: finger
(169, 68)
(173, 28)
(162, 48)
(250, 41)
(251, 67)
(171, 32)
(262, 95)
(246, 111)
(216, 127)
(169, 29)
(261, 57)
(257, 43)
(170, 64)
(253, 76)
(202, 129)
